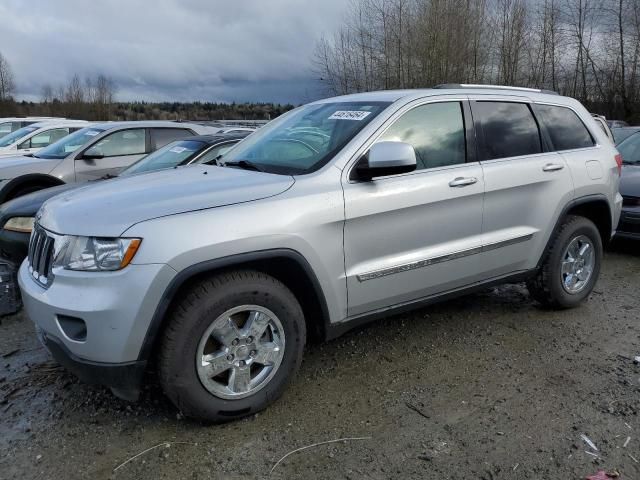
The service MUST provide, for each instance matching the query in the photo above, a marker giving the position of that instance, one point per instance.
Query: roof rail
(496, 87)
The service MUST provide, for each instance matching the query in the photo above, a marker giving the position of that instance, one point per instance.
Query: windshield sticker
(349, 115)
(177, 149)
(92, 133)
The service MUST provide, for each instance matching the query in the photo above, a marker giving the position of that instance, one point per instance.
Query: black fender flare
(12, 185)
(239, 260)
(576, 202)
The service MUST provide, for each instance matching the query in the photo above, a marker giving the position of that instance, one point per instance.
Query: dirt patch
(485, 387)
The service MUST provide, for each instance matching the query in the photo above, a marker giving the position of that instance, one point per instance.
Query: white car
(30, 139)
(11, 124)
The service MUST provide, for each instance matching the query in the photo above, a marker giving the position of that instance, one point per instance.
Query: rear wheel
(231, 346)
(571, 265)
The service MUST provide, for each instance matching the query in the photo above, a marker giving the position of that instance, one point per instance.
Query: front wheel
(571, 265)
(231, 346)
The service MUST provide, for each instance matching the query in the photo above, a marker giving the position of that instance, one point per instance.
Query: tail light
(618, 158)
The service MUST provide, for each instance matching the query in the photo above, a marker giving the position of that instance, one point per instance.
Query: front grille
(40, 256)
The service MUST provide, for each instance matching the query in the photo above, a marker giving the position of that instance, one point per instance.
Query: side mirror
(91, 156)
(386, 158)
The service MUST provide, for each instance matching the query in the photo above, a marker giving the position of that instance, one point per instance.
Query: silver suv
(339, 212)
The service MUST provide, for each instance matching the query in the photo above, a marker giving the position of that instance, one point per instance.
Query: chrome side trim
(440, 259)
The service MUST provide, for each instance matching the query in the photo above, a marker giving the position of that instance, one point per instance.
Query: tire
(198, 326)
(551, 286)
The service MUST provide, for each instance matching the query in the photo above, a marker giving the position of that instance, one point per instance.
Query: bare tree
(7, 84)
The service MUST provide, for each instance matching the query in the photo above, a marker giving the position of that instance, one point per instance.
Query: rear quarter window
(566, 130)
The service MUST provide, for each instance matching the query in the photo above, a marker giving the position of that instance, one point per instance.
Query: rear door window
(565, 128)
(163, 136)
(509, 129)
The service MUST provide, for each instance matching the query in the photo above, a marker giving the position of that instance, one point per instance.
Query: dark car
(629, 225)
(17, 216)
(622, 133)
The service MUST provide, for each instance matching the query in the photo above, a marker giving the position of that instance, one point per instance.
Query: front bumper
(114, 309)
(124, 379)
(629, 225)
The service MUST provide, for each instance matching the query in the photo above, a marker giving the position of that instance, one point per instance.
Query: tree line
(94, 98)
(587, 49)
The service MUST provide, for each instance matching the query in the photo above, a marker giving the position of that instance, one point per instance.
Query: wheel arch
(288, 266)
(14, 185)
(593, 207)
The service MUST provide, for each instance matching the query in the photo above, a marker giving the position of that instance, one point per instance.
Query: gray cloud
(234, 50)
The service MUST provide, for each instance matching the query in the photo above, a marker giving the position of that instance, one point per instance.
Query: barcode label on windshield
(177, 149)
(92, 133)
(349, 115)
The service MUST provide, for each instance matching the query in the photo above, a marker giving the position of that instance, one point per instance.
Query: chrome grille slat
(40, 255)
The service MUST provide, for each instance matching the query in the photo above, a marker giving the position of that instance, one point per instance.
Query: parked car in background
(17, 216)
(620, 134)
(34, 137)
(617, 123)
(602, 123)
(336, 213)
(93, 152)
(629, 226)
(11, 124)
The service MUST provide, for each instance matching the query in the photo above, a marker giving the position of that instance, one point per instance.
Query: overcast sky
(213, 50)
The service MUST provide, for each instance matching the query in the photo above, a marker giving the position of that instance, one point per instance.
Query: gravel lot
(485, 387)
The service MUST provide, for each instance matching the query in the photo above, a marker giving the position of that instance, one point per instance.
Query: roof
(142, 124)
(447, 89)
(60, 123)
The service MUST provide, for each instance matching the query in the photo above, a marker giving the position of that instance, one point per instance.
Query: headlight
(19, 224)
(95, 254)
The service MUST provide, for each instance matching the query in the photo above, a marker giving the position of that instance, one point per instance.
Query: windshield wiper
(245, 164)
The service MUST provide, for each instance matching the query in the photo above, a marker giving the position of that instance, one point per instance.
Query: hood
(630, 181)
(14, 166)
(28, 205)
(107, 209)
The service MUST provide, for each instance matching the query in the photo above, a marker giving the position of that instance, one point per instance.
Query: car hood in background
(27, 205)
(109, 208)
(630, 181)
(14, 166)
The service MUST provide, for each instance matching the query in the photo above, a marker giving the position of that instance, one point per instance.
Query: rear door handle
(552, 167)
(462, 181)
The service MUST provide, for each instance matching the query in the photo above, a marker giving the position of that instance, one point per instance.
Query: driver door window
(110, 154)
(436, 132)
(123, 142)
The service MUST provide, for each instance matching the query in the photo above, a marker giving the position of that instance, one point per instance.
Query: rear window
(565, 128)
(509, 129)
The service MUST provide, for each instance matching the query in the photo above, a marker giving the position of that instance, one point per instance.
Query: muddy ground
(484, 387)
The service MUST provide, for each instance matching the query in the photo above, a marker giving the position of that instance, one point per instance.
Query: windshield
(69, 144)
(172, 155)
(306, 138)
(630, 149)
(17, 135)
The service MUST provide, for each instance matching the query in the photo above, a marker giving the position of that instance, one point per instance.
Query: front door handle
(462, 181)
(552, 167)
